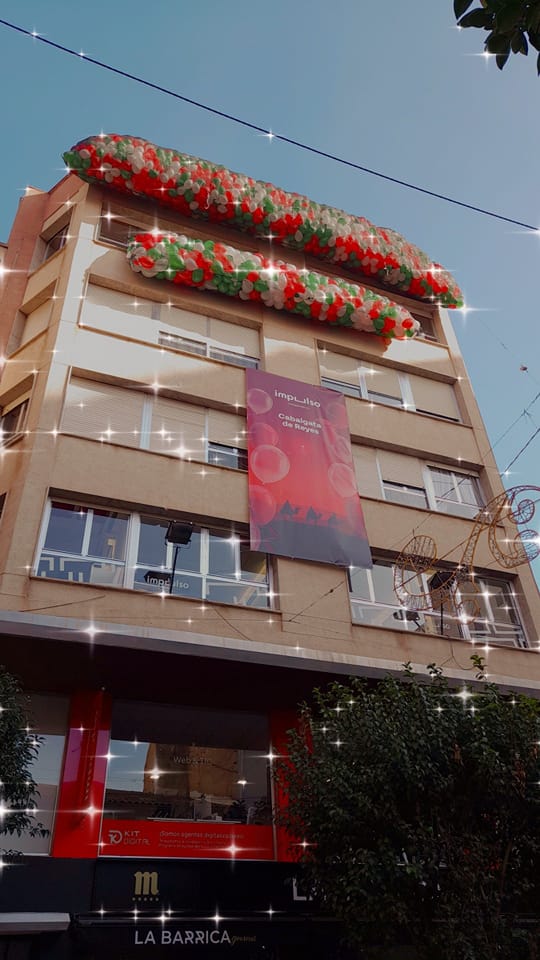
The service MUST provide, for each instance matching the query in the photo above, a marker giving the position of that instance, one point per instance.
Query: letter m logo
(146, 883)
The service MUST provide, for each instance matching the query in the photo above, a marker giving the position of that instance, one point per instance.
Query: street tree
(19, 747)
(512, 25)
(415, 808)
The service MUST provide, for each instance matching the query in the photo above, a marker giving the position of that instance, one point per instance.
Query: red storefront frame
(81, 829)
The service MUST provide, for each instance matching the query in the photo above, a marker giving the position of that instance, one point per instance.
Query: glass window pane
(224, 456)
(66, 527)
(108, 535)
(222, 553)
(359, 583)
(48, 719)
(189, 554)
(383, 584)
(187, 764)
(467, 490)
(443, 484)
(252, 564)
(117, 232)
(152, 548)
(238, 592)
(401, 493)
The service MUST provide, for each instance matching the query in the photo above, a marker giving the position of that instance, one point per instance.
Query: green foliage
(18, 750)
(511, 25)
(420, 805)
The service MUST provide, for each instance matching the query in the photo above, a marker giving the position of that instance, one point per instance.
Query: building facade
(162, 673)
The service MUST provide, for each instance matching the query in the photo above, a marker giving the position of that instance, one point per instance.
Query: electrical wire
(80, 55)
(529, 441)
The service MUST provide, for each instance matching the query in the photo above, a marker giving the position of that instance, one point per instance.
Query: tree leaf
(534, 39)
(509, 16)
(477, 18)
(538, 64)
(519, 43)
(460, 6)
(498, 43)
(501, 59)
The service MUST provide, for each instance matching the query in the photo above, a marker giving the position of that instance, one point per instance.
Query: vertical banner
(303, 496)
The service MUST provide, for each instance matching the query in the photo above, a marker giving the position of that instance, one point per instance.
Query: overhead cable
(80, 55)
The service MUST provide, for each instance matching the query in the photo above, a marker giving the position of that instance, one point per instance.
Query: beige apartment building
(123, 407)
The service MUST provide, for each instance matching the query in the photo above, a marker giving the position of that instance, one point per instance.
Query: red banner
(186, 838)
(303, 495)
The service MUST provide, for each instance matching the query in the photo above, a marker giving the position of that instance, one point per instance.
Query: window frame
(463, 628)
(107, 218)
(437, 503)
(21, 403)
(130, 564)
(363, 391)
(202, 348)
(145, 429)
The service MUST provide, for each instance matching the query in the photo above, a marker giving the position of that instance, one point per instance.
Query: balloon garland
(197, 188)
(249, 276)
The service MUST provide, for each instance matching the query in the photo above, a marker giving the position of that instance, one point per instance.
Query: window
(86, 544)
(173, 762)
(371, 381)
(374, 601)
(108, 413)
(485, 611)
(498, 620)
(187, 345)
(225, 456)
(404, 493)
(12, 420)
(56, 242)
(456, 493)
(407, 480)
(117, 232)
(167, 326)
(48, 721)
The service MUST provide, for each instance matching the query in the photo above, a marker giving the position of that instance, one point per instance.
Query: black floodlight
(179, 532)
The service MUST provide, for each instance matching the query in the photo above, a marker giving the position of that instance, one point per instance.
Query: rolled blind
(432, 396)
(227, 428)
(382, 380)
(233, 336)
(337, 366)
(100, 410)
(399, 468)
(365, 466)
(178, 428)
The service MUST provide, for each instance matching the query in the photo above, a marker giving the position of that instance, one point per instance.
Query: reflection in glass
(215, 772)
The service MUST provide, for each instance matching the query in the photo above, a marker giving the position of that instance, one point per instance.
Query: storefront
(130, 908)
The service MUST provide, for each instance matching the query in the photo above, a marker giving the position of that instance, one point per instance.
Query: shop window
(388, 386)
(181, 763)
(48, 716)
(12, 420)
(84, 544)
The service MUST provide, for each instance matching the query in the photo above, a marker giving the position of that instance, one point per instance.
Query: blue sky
(395, 87)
